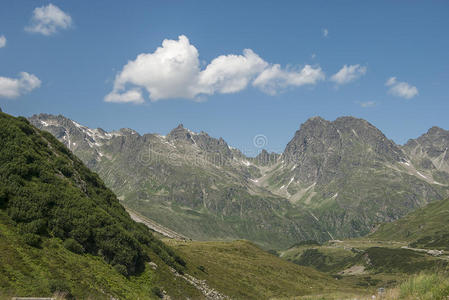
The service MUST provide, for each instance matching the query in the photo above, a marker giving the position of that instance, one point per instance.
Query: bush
(32, 240)
(60, 286)
(158, 292)
(121, 269)
(38, 226)
(74, 246)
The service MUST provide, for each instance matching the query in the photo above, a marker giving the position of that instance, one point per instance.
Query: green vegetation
(48, 192)
(52, 269)
(63, 231)
(423, 228)
(425, 287)
(244, 271)
(384, 259)
(330, 261)
(390, 260)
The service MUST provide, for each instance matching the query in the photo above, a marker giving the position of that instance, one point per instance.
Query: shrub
(158, 292)
(60, 286)
(32, 240)
(121, 269)
(74, 246)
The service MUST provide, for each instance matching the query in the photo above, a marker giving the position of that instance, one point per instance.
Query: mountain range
(64, 234)
(334, 180)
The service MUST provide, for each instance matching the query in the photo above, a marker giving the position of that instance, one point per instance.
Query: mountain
(62, 232)
(334, 179)
(350, 176)
(189, 182)
(430, 155)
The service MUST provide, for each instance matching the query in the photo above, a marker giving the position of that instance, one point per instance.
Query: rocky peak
(320, 147)
(181, 134)
(435, 136)
(201, 140)
(430, 150)
(123, 131)
(315, 135)
(437, 131)
(265, 158)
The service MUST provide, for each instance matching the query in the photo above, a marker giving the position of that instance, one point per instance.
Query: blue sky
(80, 56)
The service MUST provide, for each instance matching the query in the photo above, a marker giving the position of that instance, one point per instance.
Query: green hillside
(245, 271)
(63, 230)
(51, 268)
(423, 228)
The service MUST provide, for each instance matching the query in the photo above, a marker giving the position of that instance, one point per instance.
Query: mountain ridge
(335, 179)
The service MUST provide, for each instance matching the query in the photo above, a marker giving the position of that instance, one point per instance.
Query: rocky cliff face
(334, 180)
(320, 149)
(430, 153)
(190, 182)
(350, 176)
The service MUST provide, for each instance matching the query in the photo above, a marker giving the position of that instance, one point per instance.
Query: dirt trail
(155, 226)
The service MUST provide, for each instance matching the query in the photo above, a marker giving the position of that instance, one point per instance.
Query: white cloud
(401, 89)
(174, 71)
(325, 32)
(231, 73)
(348, 74)
(2, 41)
(366, 104)
(131, 96)
(15, 87)
(274, 78)
(48, 20)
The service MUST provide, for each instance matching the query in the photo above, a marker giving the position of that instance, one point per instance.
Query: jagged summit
(431, 152)
(265, 158)
(319, 136)
(335, 179)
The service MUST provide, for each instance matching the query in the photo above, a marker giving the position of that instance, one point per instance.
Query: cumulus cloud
(174, 71)
(231, 73)
(47, 20)
(15, 87)
(401, 89)
(325, 32)
(274, 78)
(2, 41)
(348, 74)
(131, 96)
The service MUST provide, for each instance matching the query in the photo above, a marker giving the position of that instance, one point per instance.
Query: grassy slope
(428, 225)
(30, 271)
(49, 203)
(244, 271)
(367, 264)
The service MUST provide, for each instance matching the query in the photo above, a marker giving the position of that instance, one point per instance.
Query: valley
(311, 265)
(224, 150)
(335, 182)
